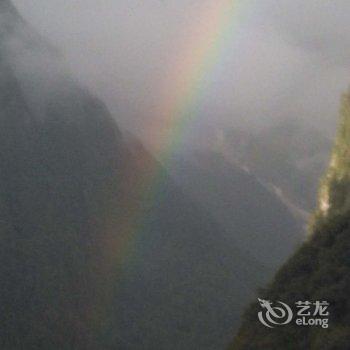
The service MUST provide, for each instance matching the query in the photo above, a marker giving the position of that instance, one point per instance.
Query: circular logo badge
(273, 316)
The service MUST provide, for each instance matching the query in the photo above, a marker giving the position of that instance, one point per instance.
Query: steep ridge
(320, 269)
(58, 180)
(334, 196)
(91, 258)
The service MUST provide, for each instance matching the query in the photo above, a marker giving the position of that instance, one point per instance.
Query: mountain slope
(254, 218)
(91, 257)
(289, 156)
(58, 179)
(180, 273)
(320, 270)
(69, 185)
(335, 191)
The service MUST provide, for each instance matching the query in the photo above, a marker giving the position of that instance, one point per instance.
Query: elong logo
(308, 313)
(274, 315)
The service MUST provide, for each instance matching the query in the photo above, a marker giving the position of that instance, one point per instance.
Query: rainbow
(180, 94)
(182, 91)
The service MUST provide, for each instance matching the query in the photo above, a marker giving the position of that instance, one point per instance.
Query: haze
(283, 59)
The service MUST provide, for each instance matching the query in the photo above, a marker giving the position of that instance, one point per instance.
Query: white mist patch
(40, 70)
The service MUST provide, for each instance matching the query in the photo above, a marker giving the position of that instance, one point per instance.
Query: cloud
(287, 58)
(317, 26)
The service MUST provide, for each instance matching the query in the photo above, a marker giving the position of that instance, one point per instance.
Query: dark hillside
(77, 271)
(320, 270)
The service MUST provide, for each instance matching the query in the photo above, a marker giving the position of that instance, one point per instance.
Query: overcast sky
(283, 59)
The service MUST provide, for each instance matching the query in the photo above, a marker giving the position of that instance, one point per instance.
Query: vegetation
(335, 189)
(320, 269)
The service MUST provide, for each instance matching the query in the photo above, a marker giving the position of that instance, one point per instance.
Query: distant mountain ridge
(241, 204)
(288, 156)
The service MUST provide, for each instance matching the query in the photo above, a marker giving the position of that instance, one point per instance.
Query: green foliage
(319, 270)
(335, 187)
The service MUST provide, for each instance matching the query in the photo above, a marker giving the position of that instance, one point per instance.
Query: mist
(161, 160)
(282, 59)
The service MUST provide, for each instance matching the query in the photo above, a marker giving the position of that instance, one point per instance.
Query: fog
(282, 58)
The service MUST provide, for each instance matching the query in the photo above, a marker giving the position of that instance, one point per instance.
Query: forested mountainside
(91, 259)
(319, 270)
(289, 156)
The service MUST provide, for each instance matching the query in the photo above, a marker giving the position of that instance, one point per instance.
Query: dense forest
(319, 270)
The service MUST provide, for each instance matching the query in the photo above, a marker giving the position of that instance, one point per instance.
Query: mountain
(288, 157)
(59, 158)
(188, 276)
(254, 218)
(319, 270)
(334, 196)
(178, 279)
(100, 248)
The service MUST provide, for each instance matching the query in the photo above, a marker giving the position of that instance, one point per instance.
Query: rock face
(89, 260)
(320, 269)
